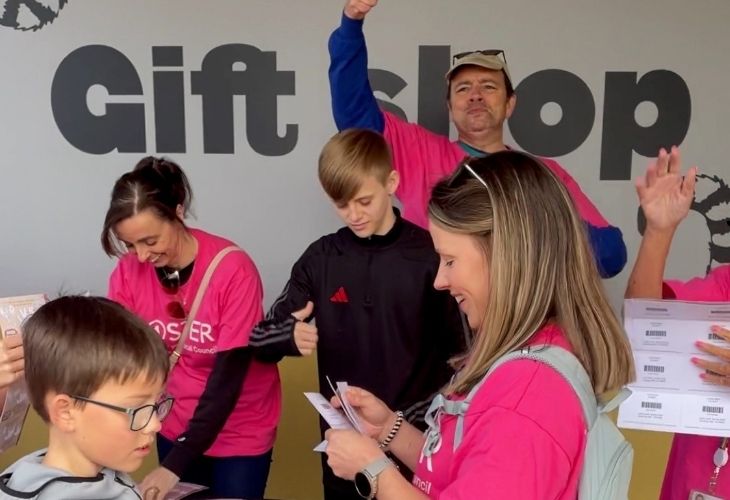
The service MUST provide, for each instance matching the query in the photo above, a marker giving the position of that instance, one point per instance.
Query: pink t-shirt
(690, 464)
(524, 437)
(232, 305)
(414, 146)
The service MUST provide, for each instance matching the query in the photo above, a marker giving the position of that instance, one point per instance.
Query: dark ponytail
(156, 184)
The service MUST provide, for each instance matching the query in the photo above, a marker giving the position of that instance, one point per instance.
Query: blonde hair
(349, 157)
(542, 268)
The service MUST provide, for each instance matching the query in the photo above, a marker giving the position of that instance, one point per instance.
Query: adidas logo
(340, 296)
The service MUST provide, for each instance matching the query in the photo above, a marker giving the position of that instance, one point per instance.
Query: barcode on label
(656, 333)
(713, 409)
(714, 336)
(651, 405)
(653, 369)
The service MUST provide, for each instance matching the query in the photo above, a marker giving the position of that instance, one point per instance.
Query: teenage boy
(380, 323)
(95, 375)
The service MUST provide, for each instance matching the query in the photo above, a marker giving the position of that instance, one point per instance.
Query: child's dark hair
(74, 344)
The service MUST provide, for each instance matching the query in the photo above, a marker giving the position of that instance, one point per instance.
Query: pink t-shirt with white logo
(232, 305)
(690, 463)
(524, 437)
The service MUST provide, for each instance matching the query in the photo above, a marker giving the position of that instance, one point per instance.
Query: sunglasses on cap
(486, 52)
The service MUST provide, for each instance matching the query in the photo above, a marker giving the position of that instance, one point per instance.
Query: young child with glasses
(95, 375)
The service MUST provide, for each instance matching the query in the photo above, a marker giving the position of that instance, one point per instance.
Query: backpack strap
(442, 405)
(568, 366)
(561, 360)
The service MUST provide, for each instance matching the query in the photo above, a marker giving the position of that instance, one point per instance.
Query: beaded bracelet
(393, 431)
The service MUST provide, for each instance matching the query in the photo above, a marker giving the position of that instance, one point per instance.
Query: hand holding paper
(366, 412)
(673, 343)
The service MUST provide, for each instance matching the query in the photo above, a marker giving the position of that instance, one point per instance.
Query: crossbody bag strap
(175, 355)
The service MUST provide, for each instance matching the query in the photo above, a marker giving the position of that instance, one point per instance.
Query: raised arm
(353, 102)
(665, 196)
(606, 240)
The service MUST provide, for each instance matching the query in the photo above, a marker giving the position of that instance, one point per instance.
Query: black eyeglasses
(486, 52)
(138, 417)
(171, 284)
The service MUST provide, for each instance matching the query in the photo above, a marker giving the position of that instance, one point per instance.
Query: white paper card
(668, 394)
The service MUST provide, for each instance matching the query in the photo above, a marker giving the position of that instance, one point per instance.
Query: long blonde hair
(542, 268)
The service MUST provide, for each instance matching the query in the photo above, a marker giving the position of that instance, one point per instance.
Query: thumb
(305, 312)
(356, 396)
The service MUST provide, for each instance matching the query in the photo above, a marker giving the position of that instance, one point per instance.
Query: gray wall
(54, 193)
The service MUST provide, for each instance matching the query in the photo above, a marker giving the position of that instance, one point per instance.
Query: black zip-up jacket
(381, 324)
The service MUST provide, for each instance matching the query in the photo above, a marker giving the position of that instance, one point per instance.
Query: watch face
(362, 485)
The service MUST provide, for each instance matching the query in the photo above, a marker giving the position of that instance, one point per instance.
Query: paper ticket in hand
(334, 417)
(184, 490)
(349, 410)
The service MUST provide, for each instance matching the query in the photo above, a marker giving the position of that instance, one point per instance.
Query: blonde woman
(515, 256)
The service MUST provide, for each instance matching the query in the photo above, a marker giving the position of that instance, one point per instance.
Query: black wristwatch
(366, 481)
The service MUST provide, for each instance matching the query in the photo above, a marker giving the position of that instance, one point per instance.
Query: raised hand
(664, 194)
(358, 9)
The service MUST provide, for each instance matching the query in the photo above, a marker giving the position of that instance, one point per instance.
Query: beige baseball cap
(493, 59)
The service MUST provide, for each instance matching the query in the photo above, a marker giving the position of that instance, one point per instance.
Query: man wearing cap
(480, 98)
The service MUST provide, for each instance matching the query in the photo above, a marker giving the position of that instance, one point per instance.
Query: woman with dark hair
(515, 256)
(203, 295)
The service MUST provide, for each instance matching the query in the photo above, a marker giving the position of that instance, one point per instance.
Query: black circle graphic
(29, 15)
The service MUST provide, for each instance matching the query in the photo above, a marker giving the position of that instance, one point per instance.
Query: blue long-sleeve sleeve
(353, 102)
(609, 249)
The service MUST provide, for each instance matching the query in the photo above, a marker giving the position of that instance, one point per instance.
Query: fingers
(716, 367)
(358, 9)
(12, 366)
(689, 182)
(306, 338)
(720, 352)
(716, 379)
(15, 353)
(306, 348)
(717, 372)
(720, 331)
(17, 366)
(305, 312)
(12, 341)
(358, 397)
(674, 161)
(151, 493)
(662, 163)
(301, 328)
